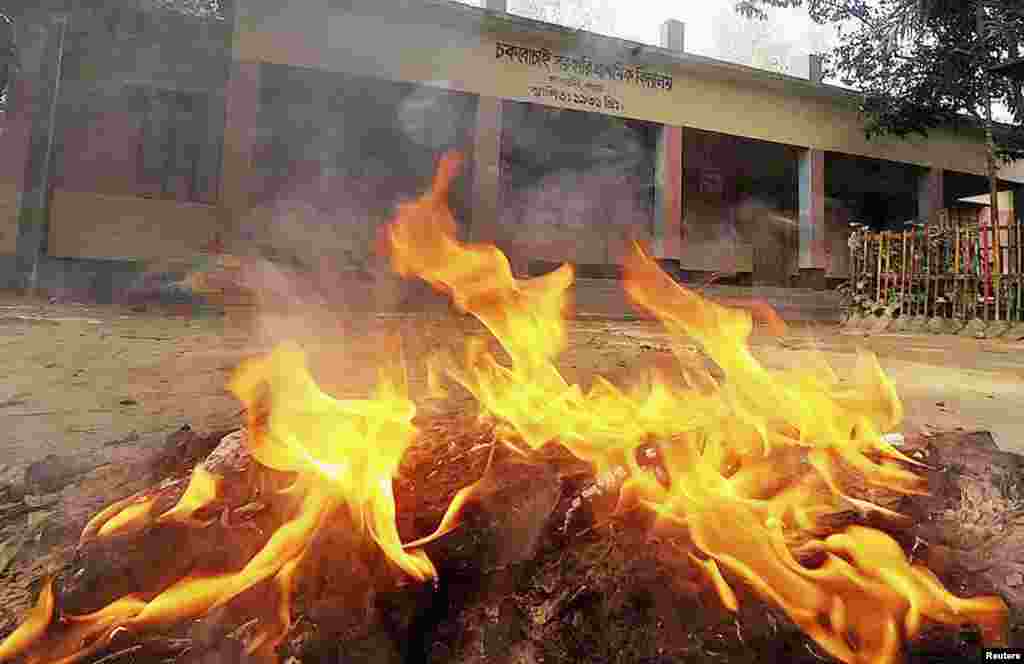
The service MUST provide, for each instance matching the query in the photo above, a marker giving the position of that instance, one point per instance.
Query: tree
(591, 15)
(922, 64)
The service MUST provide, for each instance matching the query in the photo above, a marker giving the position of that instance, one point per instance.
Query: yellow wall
(715, 97)
(1005, 200)
(90, 225)
(8, 218)
(1013, 171)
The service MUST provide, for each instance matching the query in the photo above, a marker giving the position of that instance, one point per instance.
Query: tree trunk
(991, 161)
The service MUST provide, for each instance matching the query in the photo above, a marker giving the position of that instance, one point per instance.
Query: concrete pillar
(241, 227)
(236, 185)
(1017, 200)
(486, 171)
(812, 218)
(930, 194)
(666, 240)
(666, 236)
(816, 69)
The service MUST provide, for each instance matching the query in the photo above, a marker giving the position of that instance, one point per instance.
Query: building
(138, 137)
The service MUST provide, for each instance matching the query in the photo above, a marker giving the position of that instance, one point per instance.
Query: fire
(342, 454)
(732, 451)
(755, 465)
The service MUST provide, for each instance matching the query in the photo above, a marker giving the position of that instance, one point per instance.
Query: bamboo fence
(954, 268)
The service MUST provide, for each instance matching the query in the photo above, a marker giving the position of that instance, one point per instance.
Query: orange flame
(344, 453)
(766, 452)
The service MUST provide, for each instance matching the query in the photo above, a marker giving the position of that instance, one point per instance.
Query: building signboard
(577, 81)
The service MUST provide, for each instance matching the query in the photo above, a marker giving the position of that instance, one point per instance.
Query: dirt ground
(78, 377)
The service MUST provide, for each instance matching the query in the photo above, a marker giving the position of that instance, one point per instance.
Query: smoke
(430, 117)
(335, 158)
(753, 212)
(576, 186)
(580, 216)
(307, 250)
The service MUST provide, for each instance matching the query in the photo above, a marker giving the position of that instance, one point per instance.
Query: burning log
(151, 553)
(47, 504)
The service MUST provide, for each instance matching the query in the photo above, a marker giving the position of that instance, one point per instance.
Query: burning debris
(763, 487)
